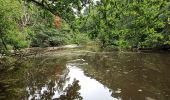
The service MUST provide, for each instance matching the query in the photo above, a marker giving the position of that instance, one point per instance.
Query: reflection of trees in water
(68, 93)
(43, 90)
(71, 92)
(35, 74)
(132, 75)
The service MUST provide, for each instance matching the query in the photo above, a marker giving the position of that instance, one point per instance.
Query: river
(85, 75)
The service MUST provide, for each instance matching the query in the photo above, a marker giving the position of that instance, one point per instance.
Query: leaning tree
(61, 9)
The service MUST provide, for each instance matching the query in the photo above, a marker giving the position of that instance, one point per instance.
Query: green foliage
(114, 23)
(129, 23)
(45, 37)
(22, 24)
(80, 38)
(17, 40)
(10, 14)
(62, 8)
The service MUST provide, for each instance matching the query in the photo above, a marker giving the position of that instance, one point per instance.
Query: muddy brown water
(84, 75)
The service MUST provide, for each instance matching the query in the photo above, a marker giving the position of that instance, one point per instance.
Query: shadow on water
(90, 76)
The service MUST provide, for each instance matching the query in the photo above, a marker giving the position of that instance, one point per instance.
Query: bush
(80, 38)
(46, 36)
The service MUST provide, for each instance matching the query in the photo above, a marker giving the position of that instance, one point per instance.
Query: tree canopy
(109, 23)
(129, 23)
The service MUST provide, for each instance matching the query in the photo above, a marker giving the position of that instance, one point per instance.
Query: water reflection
(90, 76)
(73, 84)
(132, 76)
(91, 89)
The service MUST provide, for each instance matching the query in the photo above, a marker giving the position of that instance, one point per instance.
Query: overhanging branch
(44, 6)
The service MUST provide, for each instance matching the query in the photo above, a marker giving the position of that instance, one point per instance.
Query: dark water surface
(82, 75)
